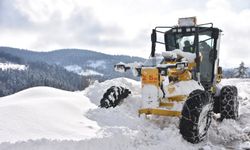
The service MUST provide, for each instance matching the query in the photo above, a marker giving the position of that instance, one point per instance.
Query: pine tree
(241, 71)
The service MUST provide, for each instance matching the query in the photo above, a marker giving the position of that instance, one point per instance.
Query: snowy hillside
(82, 62)
(46, 118)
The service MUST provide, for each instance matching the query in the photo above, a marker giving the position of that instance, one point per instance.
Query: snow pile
(183, 88)
(53, 119)
(6, 66)
(44, 112)
(233, 134)
(96, 91)
(190, 57)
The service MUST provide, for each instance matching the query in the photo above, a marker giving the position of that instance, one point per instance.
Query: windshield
(180, 41)
(207, 56)
(185, 41)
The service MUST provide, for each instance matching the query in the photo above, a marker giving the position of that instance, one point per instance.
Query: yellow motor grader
(183, 80)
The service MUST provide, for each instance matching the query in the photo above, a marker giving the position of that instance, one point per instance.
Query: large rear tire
(229, 103)
(196, 116)
(114, 96)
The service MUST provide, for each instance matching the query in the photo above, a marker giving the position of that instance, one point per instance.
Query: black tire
(114, 96)
(196, 116)
(229, 104)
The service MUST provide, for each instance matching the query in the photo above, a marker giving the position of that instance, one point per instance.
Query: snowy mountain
(69, 69)
(90, 62)
(17, 77)
(45, 118)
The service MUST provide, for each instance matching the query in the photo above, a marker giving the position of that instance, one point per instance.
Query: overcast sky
(119, 26)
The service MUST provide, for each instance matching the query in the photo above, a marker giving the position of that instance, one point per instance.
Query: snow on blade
(173, 54)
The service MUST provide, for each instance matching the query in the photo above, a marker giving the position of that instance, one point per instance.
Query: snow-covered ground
(47, 118)
(6, 66)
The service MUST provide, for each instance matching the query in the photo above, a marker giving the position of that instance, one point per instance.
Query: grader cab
(183, 81)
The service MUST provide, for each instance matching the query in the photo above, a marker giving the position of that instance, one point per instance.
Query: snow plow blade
(160, 112)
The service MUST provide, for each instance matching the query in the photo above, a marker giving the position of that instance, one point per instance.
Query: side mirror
(153, 40)
(153, 36)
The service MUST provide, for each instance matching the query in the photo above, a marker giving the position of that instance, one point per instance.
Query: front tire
(196, 116)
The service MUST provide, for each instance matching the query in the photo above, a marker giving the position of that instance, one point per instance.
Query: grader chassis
(183, 81)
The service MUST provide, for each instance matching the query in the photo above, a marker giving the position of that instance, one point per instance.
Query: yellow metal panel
(150, 76)
(181, 75)
(177, 98)
(170, 88)
(166, 104)
(213, 89)
(186, 75)
(191, 66)
(218, 78)
(159, 112)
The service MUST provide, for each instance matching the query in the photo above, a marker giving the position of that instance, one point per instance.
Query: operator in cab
(188, 47)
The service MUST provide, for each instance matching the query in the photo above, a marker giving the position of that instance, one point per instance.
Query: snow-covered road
(45, 118)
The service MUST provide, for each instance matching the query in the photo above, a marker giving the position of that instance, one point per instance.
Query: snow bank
(55, 119)
(96, 91)
(44, 112)
(243, 86)
(123, 124)
(233, 134)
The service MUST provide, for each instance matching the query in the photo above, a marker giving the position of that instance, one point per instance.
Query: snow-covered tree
(241, 71)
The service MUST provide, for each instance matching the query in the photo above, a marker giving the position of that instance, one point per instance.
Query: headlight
(180, 66)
